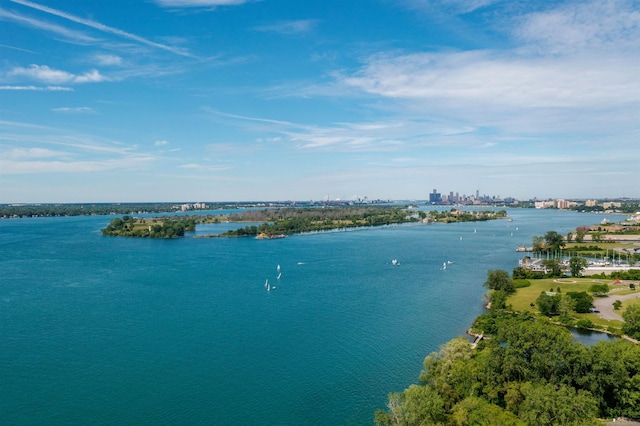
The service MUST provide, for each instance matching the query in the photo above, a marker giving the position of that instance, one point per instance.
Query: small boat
(444, 266)
(279, 275)
(394, 262)
(278, 267)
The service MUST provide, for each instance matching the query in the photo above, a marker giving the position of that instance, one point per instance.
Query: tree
(548, 304)
(498, 279)
(583, 301)
(477, 411)
(631, 326)
(570, 236)
(599, 289)
(553, 267)
(566, 307)
(554, 241)
(577, 264)
(538, 244)
(617, 305)
(551, 405)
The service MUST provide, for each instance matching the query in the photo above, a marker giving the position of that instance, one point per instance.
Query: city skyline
(217, 100)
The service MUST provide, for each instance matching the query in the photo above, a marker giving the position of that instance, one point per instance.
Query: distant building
(435, 197)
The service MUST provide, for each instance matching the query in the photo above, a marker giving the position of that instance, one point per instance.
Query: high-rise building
(435, 197)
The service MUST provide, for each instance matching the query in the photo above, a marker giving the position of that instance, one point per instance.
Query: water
(134, 331)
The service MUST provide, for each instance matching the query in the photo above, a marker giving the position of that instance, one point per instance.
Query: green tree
(477, 411)
(557, 405)
(617, 305)
(498, 279)
(583, 301)
(599, 289)
(537, 243)
(577, 264)
(553, 267)
(631, 326)
(554, 241)
(548, 304)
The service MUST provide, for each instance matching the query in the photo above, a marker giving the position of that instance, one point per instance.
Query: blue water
(104, 330)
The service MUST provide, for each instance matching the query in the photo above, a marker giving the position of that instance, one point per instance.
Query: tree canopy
(530, 372)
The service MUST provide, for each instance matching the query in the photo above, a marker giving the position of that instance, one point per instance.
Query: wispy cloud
(50, 75)
(103, 28)
(203, 167)
(198, 3)
(107, 59)
(289, 27)
(449, 6)
(581, 26)
(586, 84)
(67, 34)
(79, 110)
(38, 88)
(161, 143)
(31, 148)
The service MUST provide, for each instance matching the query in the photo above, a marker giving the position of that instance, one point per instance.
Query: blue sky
(216, 100)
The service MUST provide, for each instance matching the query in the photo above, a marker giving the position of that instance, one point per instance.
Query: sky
(238, 100)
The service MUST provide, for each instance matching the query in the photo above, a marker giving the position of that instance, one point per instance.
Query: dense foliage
(47, 210)
(168, 227)
(297, 220)
(455, 215)
(529, 372)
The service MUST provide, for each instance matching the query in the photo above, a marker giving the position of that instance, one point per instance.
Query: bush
(584, 323)
(521, 283)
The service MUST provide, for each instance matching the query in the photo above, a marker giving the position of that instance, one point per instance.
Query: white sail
(279, 275)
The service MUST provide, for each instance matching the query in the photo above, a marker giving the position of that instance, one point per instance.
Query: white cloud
(161, 143)
(289, 27)
(83, 110)
(37, 88)
(582, 26)
(107, 59)
(494, 79)
(449, 6)
(103, 28)
(198, 3)
(50, 75)
(69, 35)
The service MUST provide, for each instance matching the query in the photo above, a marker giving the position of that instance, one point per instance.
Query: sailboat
(279, 275)
(444, 266)
(267, 285)
(278, 267)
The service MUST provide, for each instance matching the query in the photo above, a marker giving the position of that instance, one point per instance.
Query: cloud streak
(289, 27)
(50, 75)
(69, 35)
(38, 88)
(103, 28)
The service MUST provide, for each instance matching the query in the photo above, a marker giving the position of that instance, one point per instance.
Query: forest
(286, 221)
(524, 371)
(166, 227)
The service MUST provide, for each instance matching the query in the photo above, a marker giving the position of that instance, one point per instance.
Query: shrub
(520, 283)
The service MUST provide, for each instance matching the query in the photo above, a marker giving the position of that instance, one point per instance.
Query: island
(280, 222)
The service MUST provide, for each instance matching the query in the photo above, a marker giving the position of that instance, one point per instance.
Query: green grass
(523, 297)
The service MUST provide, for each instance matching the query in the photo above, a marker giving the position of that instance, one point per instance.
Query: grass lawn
(523, 298)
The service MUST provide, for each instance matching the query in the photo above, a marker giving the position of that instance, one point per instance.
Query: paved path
(605, 305)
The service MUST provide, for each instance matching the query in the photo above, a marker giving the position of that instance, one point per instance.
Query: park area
(608, 318)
